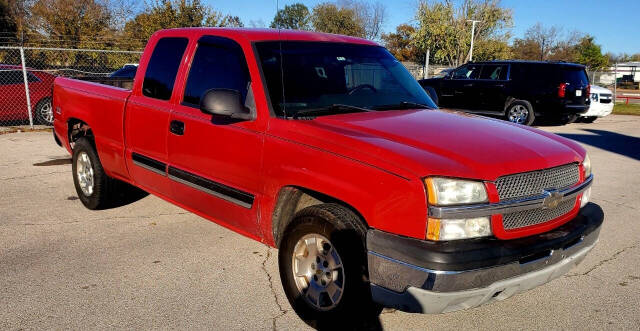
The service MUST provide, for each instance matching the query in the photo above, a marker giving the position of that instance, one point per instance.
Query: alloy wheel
(518, 114)
(84, 172)
(318, 271)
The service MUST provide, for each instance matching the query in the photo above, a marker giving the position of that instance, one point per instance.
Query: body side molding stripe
(149, 164)
(216, 189)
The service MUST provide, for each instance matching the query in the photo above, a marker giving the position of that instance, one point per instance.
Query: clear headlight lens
(585, 197)
(452, 229)
(448, 191)
(586, 165)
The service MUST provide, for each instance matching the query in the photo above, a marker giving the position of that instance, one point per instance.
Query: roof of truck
(269, 34)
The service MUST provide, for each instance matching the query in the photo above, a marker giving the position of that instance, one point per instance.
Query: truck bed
(100, 106)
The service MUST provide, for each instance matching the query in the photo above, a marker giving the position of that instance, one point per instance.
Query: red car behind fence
(13, 97)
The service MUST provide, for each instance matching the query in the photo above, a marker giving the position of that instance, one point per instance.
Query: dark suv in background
(517, 91)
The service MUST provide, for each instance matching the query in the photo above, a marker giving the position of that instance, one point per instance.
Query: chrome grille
(528, 184)
(536, 216)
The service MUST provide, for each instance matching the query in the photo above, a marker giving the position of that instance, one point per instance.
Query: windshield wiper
(330, 110)
(402, 105)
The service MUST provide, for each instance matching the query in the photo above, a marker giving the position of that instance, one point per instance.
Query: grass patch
(623, 109)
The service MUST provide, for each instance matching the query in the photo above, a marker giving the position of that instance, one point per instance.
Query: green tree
(327, 17)
(400, 44)
(590, 54)
(166, 14)
(295, 17)
(444, 29)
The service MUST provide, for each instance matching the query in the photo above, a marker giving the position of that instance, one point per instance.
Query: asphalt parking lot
(150, 264)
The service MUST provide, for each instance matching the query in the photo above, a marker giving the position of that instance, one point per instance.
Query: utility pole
(426, 66)
(473, 30)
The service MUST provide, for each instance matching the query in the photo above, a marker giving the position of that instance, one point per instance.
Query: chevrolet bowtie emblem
(552, 199)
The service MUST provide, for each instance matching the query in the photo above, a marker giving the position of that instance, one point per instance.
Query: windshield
(314, 75)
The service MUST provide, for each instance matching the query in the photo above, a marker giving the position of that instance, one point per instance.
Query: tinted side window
(470, 71)
(217, 63)
(32, 78)
(163, 67)
(11, 77)
(494, 72)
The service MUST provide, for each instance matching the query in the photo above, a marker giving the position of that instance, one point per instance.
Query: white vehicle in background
(601, 104)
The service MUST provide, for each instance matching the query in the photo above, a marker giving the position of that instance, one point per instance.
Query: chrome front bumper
(427, 277)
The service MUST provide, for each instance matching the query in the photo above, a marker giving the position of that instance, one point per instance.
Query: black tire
(346, 233)
(588, 119)
(102, 192)
(517, 107)
(432, 93)
(567, 119)
(43, 112)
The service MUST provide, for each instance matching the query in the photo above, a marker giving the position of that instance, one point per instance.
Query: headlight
(586, 166)
(452, 229)
(448, 191)
(594, 97)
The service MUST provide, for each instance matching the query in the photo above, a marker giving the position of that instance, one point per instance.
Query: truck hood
(436, 142)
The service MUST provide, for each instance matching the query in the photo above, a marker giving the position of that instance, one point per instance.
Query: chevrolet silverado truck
(326, 148)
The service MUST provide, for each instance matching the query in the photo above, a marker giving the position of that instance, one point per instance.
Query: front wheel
(520, 112)
(323, 267)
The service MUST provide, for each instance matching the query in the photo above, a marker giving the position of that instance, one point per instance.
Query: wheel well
(292, 199)
(78, 129)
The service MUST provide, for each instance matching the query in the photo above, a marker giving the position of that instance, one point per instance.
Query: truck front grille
(529, 184)
(534, 183)
(524, 218)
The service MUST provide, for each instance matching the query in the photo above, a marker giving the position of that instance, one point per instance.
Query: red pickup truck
(325, 147)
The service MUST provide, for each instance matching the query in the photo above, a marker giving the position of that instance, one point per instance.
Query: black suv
(518, 91)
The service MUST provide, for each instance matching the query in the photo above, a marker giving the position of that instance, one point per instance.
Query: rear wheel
(94, 187)
(44, 112)
(323, 267)
(520, 112)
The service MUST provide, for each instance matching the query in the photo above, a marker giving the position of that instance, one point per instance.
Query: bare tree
(371, 16)
(539, 43)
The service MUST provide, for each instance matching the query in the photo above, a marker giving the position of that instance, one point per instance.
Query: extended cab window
(217, 63)
(494, 72)
(163, 67)
(470, 71)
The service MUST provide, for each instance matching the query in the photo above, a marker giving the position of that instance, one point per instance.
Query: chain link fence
(417, 70)
(27, 75)
(623, 79)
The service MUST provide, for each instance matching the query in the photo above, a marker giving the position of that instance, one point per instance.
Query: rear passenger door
(147, 117)
(214, 161)
(491, 87)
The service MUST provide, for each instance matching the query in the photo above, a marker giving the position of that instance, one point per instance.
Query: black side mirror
(224, 102)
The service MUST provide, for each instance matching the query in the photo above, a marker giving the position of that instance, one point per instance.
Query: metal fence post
(615, 83)
(26, 86)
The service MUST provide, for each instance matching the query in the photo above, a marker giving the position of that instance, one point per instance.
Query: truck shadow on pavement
(624, 145)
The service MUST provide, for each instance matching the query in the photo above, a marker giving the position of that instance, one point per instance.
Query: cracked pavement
(151, 265)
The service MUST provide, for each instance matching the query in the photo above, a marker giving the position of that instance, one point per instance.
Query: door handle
(176, 127)
(500, 85)
(468, 85)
